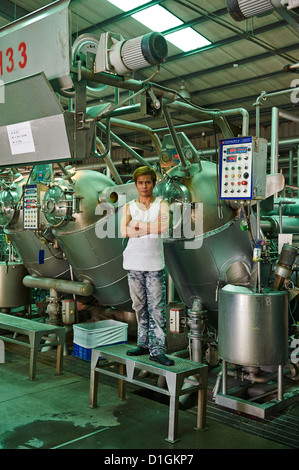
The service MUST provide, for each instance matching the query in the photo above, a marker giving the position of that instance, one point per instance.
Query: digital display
(237, 150)
(231, 158)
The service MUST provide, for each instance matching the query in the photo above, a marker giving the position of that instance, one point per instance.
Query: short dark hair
(145, 170)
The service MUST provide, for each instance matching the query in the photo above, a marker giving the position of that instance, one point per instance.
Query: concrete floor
(53, 412)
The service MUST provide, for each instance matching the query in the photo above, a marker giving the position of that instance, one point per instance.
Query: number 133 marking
(10, 63)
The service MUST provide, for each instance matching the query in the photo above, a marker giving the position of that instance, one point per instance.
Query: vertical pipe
(298, 170)
(274, 141)
(197, 353)
(280, 383)
(290, 169)
(257, 119)
(280, 217)
(175, 139)
(258, 229)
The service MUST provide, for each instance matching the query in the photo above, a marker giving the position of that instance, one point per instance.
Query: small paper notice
(20, 138)
(284, 238)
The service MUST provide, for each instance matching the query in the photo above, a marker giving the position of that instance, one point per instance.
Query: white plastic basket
(100, 333)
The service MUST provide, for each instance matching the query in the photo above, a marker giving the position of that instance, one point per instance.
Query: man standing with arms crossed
(143, 221)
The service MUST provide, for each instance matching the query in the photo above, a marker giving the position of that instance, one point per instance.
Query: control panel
(236, 156)
(30, 207)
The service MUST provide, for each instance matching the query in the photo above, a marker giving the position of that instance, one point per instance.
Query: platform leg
(121, 384)
(94, 381)
(34, 340)
(202, 400)
(173, 420)
(174, 387)
(59, 360)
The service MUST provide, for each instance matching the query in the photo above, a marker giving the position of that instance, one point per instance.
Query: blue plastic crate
(85, 353)
(81, 352)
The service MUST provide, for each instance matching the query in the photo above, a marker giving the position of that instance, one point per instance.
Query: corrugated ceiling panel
(246, 93)
(94, 11)
(32, 5)
(182, 12)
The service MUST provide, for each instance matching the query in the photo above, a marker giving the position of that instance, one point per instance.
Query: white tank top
(144, 253)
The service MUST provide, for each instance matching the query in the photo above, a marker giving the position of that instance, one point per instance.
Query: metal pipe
(280, 217)
(276, 114)
(258, 229)
(108, 143)
(170, 97)
(217, 116)
(288, 116)
(291, 167)
(119, 141)
(183, 161)
(245, 118)
(257, 119)
(181, 127)
(119, 82)
(123, 110)
(273, 225)
(109, 162)
(67, 175)
(280, 383)
(274, 141)
(202, 153)
(264, 95)
(60, 285)
(139, 128)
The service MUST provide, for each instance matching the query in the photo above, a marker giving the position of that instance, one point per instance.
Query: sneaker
(162, 359)
(139, 351)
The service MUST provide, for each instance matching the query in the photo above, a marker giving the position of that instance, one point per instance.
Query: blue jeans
(148, 293)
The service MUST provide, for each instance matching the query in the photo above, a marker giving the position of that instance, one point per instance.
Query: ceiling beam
(230, 40)
(237, 101)
(238, 83)
(228, 65)
(10, 11)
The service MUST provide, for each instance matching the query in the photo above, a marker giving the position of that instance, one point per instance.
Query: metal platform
(275, 400)
(104, 359)
(35, 331)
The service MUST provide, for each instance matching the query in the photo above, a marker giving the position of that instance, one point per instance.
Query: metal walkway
(281, 428)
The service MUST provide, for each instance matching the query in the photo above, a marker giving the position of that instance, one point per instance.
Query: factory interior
(206, 93)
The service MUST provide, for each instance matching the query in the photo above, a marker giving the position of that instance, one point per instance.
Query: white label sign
(20, 138)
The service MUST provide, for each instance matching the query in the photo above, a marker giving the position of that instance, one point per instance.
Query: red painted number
(22, 49)
(9, 63)
(9, 54)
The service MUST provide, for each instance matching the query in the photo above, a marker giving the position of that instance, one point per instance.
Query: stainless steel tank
(220, 251)
(253, 327)
(88, 232)
(13, 293)
(26, 242)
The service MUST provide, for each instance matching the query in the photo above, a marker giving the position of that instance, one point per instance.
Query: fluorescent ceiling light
(127, 5)
(187, 39)
(157, 18)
